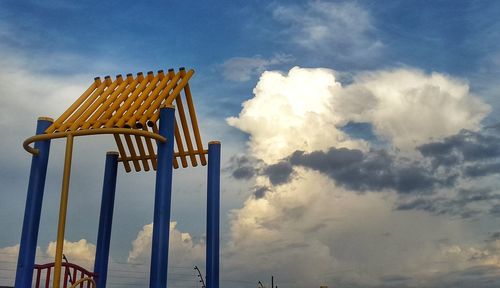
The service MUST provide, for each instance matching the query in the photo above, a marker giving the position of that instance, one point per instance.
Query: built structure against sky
(140, 113)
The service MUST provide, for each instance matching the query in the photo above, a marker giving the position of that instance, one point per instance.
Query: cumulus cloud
(410, 108)
(309, 230)
(306, 109)
(305, 219)
(287, 111)
(467, 147)
(242, 69)
(80, 252)
(184, 251)
(372, 171)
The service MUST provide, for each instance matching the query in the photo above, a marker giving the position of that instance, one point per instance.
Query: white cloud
(80, 252)
(292, 112)
(306, 108)
(344, 30)
(409, 107)
(311, 231)
(242, 69)
(183, 250)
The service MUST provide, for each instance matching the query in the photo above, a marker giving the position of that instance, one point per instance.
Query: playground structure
(140, 114)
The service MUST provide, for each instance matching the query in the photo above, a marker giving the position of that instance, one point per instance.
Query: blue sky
(439, 60)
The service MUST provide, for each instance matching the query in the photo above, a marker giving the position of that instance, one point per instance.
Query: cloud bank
(314, 217)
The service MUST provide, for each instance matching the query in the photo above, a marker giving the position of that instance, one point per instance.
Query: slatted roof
(134, 103)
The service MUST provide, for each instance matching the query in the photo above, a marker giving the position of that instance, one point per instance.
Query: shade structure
(134, 102)
(129, 108)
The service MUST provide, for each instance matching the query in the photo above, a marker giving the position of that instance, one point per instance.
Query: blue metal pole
(33, 209)
(106, 218)
(213, 214)
(163, 195)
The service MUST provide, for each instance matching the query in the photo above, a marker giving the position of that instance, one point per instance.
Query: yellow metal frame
(134, 103)
(127, 108)
(86, 279)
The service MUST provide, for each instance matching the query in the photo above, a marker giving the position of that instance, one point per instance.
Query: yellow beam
(121, 149)
(125, 131)
(116, 104)
(63, 207)
(194, 122)
(74, 106)
(74, 117)
(92, 120)
(97, 102)
(133, 121)
(126, 105)
(159, 100)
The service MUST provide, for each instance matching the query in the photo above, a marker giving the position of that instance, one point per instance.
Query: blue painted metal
(106, 218)
(213, 215)
(163, 195)
(31, 222)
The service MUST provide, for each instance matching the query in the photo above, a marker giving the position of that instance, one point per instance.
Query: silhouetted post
(213, 214)
(163, 195)
(33, 209)
(106, 218)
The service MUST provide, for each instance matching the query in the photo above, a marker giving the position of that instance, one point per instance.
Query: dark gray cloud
(260, 191)
(373, 171)
(495, 210)
(464, 147)
(475, 277)
(493, 237)
(457, 206)
(395, 280)
(279, 173)
(243, 167)
(484, 276)
(479, 170)
(245, 172)
(467, 154)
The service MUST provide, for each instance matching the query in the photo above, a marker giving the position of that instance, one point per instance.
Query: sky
(360, 139)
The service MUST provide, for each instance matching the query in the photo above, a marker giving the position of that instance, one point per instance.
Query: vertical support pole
(106, 218)
(33, 209)
(63, 208)
(213, 214)
(163, 195)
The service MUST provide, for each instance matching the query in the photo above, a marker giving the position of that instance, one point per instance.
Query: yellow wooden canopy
(129, 108)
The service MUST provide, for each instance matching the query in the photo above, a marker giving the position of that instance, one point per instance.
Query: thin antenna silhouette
(201, 277)
(67, 270)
